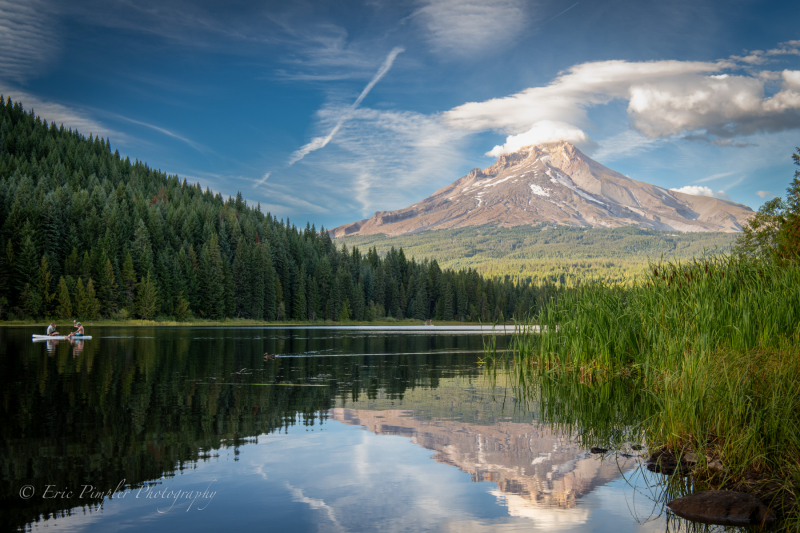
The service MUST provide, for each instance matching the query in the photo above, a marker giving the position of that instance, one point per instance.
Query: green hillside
(549, 253)
(86, 233)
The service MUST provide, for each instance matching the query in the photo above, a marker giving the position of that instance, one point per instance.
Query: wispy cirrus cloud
(28, 38)
(320, 142)
(197, 146)
(464, 28)
(715, 177)
(383, 159)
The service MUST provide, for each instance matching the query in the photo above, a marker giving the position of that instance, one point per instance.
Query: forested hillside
(549, 254)
(85, 233)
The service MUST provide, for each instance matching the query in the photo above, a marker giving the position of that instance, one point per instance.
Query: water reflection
(532, 466)
(284, 441)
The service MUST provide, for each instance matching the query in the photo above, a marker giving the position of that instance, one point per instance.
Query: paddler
(51, 330)
(78, 332)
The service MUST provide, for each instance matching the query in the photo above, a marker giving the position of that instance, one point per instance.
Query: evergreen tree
(146, 298)
(182, 309)
(64, 303)
(300, 307)
(128, 283)
(344, 314)
(91, 309)
(141, 249)
(81, 303)
(270, 296)
(45, 286)
(73, 264)
(212, 281)
(107, 289)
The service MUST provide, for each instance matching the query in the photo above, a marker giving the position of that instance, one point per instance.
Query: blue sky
(329, 111)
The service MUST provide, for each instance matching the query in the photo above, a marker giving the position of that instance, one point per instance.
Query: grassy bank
(715, 342)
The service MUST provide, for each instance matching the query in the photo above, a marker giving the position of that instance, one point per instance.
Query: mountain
(554, 183)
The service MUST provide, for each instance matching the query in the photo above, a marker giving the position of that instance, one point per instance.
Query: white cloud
(27, 38)
(665, 98)
(320, 142)
(544, 131)
(469, 27)
(568, 97)
(699, 190)
(725, 106)
(759, 57)
(765, 194)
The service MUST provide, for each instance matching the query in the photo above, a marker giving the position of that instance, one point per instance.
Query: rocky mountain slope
(554, 183)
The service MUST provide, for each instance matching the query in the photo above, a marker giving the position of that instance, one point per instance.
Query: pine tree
(448, 310)
(64, 304)
(270, 296)
(107, 289)
(212, 281)
(91, 308)
(242, 280)
(81, 303)
(421, 310)
(300, 307)
(344, 314)
(45, 286)
(182, 310)
(142, 251)
(73, 264)
(31, 301)
(313, 299)
(128, 283)
(146, 298)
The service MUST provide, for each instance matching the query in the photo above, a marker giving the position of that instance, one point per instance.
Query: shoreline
(251, 323)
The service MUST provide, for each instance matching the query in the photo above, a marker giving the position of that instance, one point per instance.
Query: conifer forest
(88, 234)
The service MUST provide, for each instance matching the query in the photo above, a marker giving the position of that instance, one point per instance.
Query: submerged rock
(664, 462)
(722, 507)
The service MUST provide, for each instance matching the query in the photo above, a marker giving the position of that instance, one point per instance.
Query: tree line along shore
(86, 233)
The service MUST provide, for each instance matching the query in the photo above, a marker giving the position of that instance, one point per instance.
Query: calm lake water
(347, 429)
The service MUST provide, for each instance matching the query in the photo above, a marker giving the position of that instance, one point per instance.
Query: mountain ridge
(554, 183)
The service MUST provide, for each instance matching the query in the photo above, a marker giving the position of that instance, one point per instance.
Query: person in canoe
(79, 332)
(51, 330)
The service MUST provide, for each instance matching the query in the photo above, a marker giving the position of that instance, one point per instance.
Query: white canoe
(59, 337)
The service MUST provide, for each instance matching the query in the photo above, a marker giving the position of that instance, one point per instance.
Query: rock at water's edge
(722, 507)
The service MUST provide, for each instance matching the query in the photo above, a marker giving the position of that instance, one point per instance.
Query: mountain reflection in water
(539, 467)
(176, 408)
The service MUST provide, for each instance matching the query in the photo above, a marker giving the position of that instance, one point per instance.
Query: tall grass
(680, 311)
(714, 341)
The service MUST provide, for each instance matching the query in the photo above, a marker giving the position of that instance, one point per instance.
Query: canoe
(59, 337)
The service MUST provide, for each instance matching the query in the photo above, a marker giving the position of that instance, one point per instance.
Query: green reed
(678, 311)
(714, 341)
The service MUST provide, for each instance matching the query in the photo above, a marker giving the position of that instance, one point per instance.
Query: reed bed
(715, 342)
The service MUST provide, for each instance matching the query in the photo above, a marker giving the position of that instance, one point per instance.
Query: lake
(345, 429)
